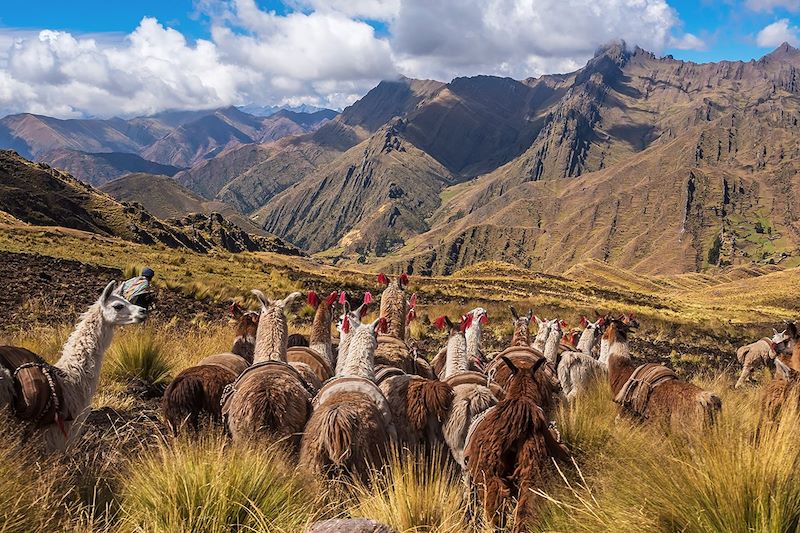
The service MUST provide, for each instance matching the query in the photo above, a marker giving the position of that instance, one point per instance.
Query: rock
(352, 525)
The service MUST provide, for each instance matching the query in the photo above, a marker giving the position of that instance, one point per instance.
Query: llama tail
(183, 401)
(711, 404)
(426, 398)
(338, 427)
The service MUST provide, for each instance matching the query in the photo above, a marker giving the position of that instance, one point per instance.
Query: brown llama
(509, 449)
(652, 393)
(318, 358)
(472, 396)
(392, 348)
(783, 389)
(270, 400)
(351, 427)
(196, 392)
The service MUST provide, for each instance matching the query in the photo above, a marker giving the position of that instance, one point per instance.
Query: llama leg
(746, 370)
(522, 514)
(495, 493)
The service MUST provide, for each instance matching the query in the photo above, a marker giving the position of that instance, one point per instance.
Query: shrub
(212, 486)
(140, 355)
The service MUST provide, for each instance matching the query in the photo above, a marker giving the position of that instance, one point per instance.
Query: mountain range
(657, 165)
(98, 151)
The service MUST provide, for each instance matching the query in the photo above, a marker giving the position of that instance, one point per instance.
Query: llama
(542, 334)
(553, 344)
(271, 399)
(548, 392)
(759, 353)
(471, 395)
(392, 347)
(781, 391)
(473, 334)
(349, 322)
(411, 315)
(351, 427)
(578, 369)
(197, 391)
(509, 449)
(521, 325)
(56, 398)
(317, 358)
(652, 393)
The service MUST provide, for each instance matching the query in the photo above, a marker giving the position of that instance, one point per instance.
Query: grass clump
(215, 487)
(140, 355)
(412, 493)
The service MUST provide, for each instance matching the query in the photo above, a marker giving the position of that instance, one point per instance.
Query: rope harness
(634, 396)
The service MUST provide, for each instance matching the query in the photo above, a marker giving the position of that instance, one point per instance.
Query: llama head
(617, 331)
(350, 319)
(246, 321)
(536, 382)
(444, 322)
(266, 303)
(117, 310)
(779, 337)
(629, 319)
(480, 317)
(365, 336)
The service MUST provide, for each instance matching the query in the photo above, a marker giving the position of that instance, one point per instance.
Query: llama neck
(586, 341)
(473, 338)
(320, 338)
(521, 336)
(620, 365)
(457, 361)
(271, 337)
(603, 358)
(244, 346)
(393, 307)
(360, 360)
(551, 348)
(541, 338)
(82, 357)
(794, 362)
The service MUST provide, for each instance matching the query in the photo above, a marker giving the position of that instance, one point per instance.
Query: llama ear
(236, 310)
(783, 370)
(466, 322)
(313, 299)
(108, 291)
(289, 299)
(402, 280)
(530, 315)
(774, 332)
(537, 365)
(514, 313)
(411, 315)
(331, 299)
(379, 325)
(511, 366)
(362, 311)
(382, 279)
(261, 297)
(345, 324)
(584, 321)
(412, 302)
(600, 322)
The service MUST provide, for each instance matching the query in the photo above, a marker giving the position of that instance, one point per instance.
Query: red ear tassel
(601, 322)
(382, 325)
(439, 322)
(584, 321)
(411, 315)
(345, 325)
(343, 298)
(563, 324)
(331, 299)
(413, 301)
(382, 279)
(313, 299)
(403, 280)
(367, 298)
(484, 319)
(466, 322)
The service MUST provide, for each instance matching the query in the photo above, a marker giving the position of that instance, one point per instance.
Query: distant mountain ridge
(165, 142)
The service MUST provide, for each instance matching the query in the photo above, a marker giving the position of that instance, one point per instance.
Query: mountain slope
(99, 168)
(40, 195)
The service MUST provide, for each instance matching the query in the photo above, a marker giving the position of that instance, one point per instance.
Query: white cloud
(688, 41)
(322, 53)
(778, 33)
(771, 5)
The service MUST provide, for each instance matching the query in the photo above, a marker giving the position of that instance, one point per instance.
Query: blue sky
(104, 57)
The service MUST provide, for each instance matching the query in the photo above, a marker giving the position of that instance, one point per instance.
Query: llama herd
(340, 407)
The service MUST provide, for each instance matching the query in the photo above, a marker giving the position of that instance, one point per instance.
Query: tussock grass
(733, 478)
(213, 486)
(140, 355)
(413, 493)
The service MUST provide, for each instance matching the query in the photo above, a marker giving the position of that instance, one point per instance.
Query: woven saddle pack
(635, 394)
(37, 390)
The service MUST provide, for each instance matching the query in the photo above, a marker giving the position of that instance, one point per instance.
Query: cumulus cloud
(771, 5)
(322, 52)
(778, 33)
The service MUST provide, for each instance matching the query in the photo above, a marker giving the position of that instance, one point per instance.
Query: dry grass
(140, 355)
